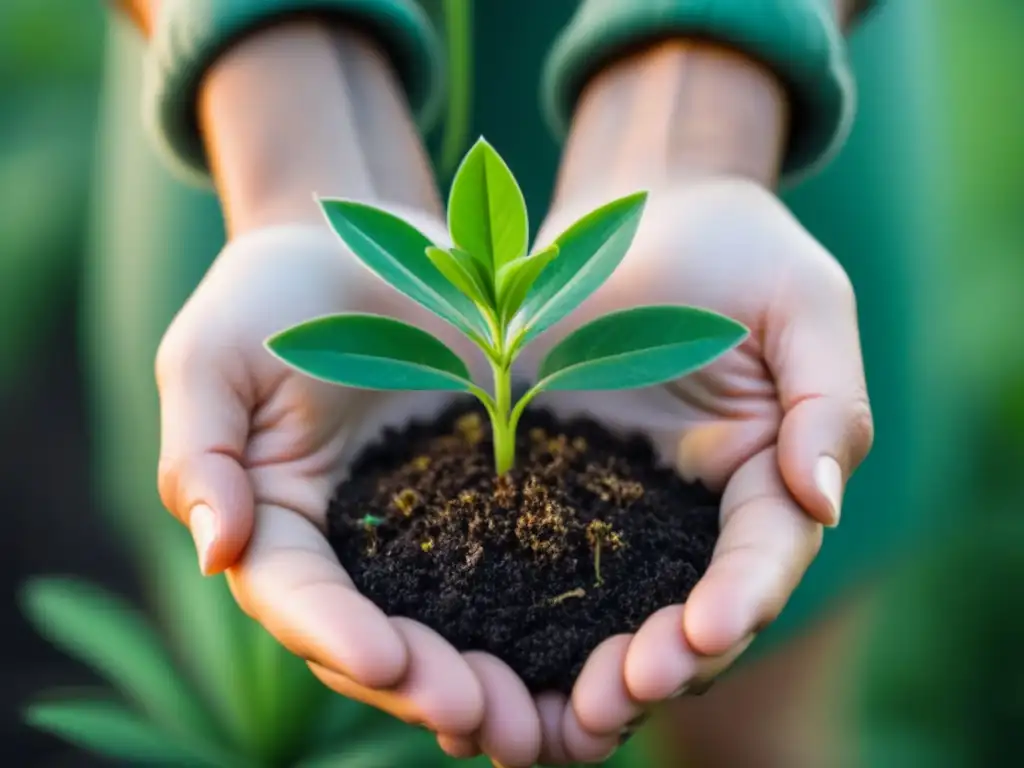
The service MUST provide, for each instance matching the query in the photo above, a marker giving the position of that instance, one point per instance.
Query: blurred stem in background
(983, 156)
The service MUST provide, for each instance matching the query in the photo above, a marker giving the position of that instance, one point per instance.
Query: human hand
(251, 454)
(779, 425)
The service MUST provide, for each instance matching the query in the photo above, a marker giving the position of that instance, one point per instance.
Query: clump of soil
(584, 539)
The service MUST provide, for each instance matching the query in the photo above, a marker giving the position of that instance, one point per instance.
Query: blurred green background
(78, 434)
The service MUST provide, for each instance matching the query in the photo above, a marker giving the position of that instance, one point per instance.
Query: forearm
(674, 111)
(305, 106)
(301, 109)
(677, 109)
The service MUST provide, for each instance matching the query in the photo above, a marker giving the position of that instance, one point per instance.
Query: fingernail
(829, 478)
(203, 524)
(680, 691)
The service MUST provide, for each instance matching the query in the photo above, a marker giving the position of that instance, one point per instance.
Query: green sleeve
(189, 35)
(799, 39)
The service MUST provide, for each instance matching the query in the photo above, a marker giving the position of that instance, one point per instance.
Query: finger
(661, 665)
(583, 746)
(551, 708)
(766, 544)
(459, 747)
(290, 581)
(204, 424)
(511, 730)
(659, 662)
(439, 690)
(600, 698)
(827, 428)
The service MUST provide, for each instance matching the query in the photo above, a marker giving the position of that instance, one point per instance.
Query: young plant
(501, 296)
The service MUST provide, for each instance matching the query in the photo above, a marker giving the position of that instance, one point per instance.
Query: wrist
(673, 113)
(303, 109)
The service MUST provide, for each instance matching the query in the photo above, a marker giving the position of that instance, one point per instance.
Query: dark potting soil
(584, 539)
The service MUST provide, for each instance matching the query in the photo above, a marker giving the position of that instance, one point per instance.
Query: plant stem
(501, 427)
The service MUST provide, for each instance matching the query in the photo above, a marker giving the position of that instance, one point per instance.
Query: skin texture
(251, 451)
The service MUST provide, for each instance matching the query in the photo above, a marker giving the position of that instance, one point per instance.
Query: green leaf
(589, 252)
(206, 630)
(638, 348)
(387, 748)
(371, 352)
(113, 730)
(397, 253)
(463, 276)
(482, 274)
(486, 210)
(111, 637)
(286, 695)
(517, 277)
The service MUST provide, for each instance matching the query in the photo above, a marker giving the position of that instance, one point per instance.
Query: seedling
(600, 534)
(370, 524)
(500, 295)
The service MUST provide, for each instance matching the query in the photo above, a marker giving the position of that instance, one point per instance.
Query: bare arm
(675, 109)
(678, 109)
(305, 106)
(302, 108)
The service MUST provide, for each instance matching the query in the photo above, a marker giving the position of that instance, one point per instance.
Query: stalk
(501, 424)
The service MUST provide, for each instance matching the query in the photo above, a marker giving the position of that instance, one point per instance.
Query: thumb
(204, 425)
(827, 428)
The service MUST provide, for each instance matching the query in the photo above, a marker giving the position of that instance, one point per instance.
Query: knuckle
(861, 429)
(840, 287)
(826, 283)
(168, 474)
(170, 357)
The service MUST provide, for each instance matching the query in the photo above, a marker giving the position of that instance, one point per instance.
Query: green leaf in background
(286, 697)
(111, 637)
(397, 253)
(638, 348)
(589, 251)
(517, 277)
(486, 210)
(207, 631)
(463, 276)
(113, 730)
(388, 749)
(371, 352)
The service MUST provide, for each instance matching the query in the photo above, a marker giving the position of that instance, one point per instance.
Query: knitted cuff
(798, 39)
(191, 34)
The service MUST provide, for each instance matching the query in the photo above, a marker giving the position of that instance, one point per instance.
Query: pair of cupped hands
(253, 450)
